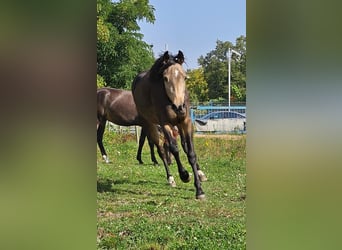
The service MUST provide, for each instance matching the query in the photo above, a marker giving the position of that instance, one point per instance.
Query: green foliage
(197, 86)
(137, 209)
(100, 82)
(121, 52)
(215, 66)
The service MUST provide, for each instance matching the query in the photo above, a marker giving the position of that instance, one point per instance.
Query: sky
(194, 26)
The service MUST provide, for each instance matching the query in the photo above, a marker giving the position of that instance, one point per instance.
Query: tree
(197, 85)
(121, 52)
(215, 67)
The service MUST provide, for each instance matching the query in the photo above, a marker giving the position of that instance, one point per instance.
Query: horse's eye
(166, 79)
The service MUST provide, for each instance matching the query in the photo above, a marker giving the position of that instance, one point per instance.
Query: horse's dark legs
(201, 175)
(100, 130)
(141, 144)
(167, 153)
(153, 157)
(184, 175)
(182, 136)
(154, 136)
(162, 155)
(192, 159)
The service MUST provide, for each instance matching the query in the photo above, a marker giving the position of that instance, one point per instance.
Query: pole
(229, 53)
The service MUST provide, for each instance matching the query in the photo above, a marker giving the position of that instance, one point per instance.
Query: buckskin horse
(117, 106)
(161, 97)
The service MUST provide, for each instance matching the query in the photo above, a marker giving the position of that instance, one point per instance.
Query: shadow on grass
(108, 185)
(104, 186)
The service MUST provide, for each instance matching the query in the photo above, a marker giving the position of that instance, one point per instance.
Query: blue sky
(194, 26)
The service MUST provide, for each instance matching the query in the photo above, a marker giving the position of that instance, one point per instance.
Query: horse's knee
(173, 148)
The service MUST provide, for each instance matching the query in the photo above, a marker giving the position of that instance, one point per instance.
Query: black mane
(163, 62)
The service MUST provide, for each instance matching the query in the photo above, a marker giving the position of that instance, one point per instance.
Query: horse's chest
(172, 116)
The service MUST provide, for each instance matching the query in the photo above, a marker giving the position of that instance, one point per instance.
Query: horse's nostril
(180, 109)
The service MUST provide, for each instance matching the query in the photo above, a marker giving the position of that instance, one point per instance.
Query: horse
(118, 106)
(161, 97)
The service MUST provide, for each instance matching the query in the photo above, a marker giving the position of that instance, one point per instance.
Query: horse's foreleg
(100, 130)
(154, 136)
(183, 143)
(167, 153)
(162, 155)
(192, 159)
(184, 175)
(201, 175)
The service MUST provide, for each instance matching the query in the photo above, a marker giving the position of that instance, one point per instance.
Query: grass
(137, 209)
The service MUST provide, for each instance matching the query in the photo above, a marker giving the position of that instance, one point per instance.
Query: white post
(229, 54)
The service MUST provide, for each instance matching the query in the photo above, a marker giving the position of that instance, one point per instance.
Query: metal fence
(196, 112)
(219, 119)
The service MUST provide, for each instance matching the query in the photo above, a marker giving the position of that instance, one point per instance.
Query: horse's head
(174, 81)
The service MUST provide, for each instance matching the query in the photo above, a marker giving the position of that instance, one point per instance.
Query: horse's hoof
(185, 177)
(202, 176)
(200, 197)
(171, 181)
(105, 158)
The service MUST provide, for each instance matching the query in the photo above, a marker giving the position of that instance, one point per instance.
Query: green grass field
(137, 209)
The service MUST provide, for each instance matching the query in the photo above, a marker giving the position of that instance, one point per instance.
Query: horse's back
(117, 106)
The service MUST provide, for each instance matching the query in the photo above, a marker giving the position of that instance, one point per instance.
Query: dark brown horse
(118, 106)
(161, 97)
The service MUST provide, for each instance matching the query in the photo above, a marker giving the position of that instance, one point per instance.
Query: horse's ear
(180, 57)
(166, 57)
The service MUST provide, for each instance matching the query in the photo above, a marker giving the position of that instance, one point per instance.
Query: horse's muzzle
(180, 110)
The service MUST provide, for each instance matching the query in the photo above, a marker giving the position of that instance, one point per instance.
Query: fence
(196, 112)
(219, 119)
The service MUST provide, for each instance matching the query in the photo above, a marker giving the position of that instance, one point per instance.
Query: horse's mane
(164, 61)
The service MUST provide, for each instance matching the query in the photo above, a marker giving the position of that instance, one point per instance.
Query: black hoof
(185, 177)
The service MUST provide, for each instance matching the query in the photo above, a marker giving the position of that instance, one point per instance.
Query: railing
(196, 112)
(220, 121)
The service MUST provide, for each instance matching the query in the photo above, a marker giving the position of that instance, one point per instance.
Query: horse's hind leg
(100, 130)
(141, 144)
(153, 157)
